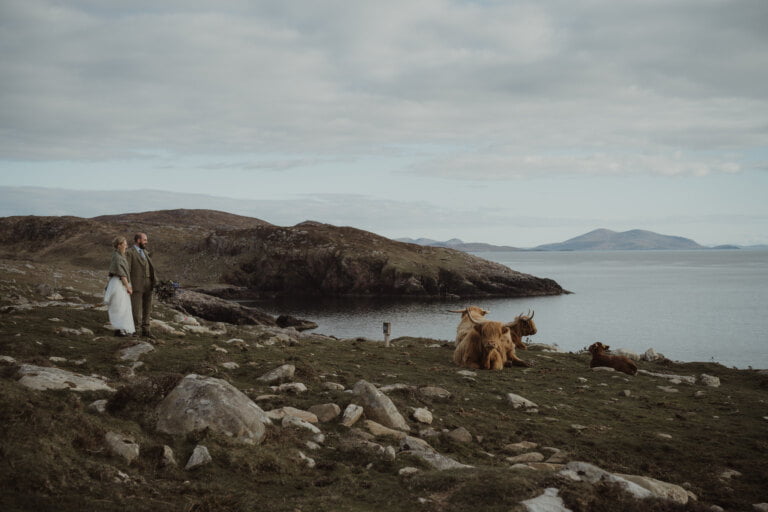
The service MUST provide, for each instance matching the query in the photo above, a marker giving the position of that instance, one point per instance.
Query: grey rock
(200, 457)
(378, 407)
(709, 380)
(547, 502)
(422, 415)
(352, 414)
(279, 374)
(526, 457)
(134, 352)
(122, 446)
(459, 435)
(199, 402)
(325, 412)
(434, 392)
(425, 452)
(518, 402)
(167, 458)
(42, 378)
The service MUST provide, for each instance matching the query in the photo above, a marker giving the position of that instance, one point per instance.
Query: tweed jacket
(118, 266)
(141, 271)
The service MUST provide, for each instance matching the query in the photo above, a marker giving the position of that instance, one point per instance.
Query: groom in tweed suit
(141, 273)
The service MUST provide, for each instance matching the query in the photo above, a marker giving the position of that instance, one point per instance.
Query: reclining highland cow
(600, 357)
(490, 345)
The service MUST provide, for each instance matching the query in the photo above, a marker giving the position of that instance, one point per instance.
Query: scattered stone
(54, 319)
(134, 352)
(699, 394)
(180, 318)
(98, 406)
(279, 414)
(200, 457)
(122, 446)
(662, 435)
(66, 331)
(638, 486)
(378, 429)
(459, 435)
(167, 458)
(526, 457)
(518, 402)
(279, 374)
(709, 380)
(198, 402)
(230, 365)
(325, 412)
(291, 387)
(395, 387)
(425, 452)
(651, 355)
(352, 413)
(467, 373)
(578, 427)
(729, 473)
(7, 360)
(547, 502)
(165, 328)
(520, 447)
(602, 369)
(378, 407)
(42, 378)
(56, 359)
(310, 462)
(626, 353)
(434, 392)
(332, 386)
(659, 489)
(668, 389)
(422, 415)
(625, 393)
(407, 471)
(296, 422)
(760, 507)
(673, 378)
(582, 380)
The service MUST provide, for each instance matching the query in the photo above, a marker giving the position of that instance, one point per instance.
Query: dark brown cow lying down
(601, 358)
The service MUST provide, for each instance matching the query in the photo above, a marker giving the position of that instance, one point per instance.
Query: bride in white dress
(117, 293)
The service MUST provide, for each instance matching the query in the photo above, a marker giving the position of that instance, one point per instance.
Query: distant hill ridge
(596, 240)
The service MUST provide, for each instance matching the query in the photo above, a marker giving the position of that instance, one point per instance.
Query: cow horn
(532, 313)
(472, 319)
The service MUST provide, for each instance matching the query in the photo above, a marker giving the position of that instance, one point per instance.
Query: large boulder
(199, 402)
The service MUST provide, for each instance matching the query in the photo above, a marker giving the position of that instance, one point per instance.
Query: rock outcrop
(200, 402)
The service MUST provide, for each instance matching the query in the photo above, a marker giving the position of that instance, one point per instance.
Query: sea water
(703, 305)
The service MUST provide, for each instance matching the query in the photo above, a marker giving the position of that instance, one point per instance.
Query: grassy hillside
(52, 453)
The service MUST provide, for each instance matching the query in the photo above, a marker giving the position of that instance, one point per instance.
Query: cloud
(616, 81)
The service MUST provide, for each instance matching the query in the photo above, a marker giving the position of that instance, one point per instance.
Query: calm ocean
(706, 305)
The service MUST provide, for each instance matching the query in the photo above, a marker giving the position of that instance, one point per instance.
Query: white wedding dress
(119, 302)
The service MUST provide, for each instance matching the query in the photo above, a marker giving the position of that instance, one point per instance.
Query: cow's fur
(466, 324)
(522, 325)
(601, 358)
(481, 346)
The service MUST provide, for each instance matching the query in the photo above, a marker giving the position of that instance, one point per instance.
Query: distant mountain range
(597, 240)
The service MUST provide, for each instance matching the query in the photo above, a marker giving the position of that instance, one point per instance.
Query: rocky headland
(230, 416)
(206, 249)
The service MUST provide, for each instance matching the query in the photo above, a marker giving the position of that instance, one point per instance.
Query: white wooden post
(387, 332)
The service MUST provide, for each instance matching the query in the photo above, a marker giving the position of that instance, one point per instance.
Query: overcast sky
(507, 122)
